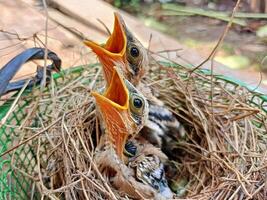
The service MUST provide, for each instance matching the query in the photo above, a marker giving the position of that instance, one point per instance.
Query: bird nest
(222, 156)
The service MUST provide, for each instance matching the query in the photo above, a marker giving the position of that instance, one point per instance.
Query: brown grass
(222, 157)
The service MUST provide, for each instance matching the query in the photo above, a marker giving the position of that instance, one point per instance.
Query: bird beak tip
(116, 94)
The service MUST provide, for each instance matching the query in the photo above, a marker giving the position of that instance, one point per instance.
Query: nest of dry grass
(222, 157)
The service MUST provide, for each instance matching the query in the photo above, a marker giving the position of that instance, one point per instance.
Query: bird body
(149, 167)
(124, 111)
(142, 177)
(123, 49)
(162, 127)
(157, 130)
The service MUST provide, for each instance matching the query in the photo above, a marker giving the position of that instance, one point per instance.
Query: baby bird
(121, 47)
(124, 50)
(132, 166)
(123, 110)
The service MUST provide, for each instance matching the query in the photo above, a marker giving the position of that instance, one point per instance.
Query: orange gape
(113, 52)
(117, 91)
(117, 41)
(115, 127)
(113, 106)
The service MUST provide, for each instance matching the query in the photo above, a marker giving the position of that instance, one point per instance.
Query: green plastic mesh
(14, 184)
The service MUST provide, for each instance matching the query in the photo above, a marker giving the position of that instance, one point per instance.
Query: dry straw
(222, 157)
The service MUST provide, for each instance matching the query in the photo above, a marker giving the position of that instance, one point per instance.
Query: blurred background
(187, 29)
(198, 24)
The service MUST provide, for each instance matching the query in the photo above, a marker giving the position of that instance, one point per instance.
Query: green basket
(14, 184)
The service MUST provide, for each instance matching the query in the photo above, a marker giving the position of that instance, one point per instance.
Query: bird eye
(134, 52)
(135, 57)
(137, 104)
(130, 149)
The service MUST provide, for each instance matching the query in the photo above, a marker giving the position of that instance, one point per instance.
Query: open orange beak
(113, 106)
(114, 51)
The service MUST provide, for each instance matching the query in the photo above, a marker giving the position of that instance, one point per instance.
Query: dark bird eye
(130, 149)
(138, 103)
(134, 52)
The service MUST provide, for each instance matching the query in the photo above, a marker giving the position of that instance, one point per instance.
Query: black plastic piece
(11, 68)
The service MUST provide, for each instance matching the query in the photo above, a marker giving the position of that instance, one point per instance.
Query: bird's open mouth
(116, 43)
(113, 107)
(114, 50)
(116, 94)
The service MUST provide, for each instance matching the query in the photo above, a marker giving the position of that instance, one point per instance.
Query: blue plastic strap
(12, 67)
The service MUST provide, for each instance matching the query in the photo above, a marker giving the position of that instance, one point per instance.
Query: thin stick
(14, 104)
(221, 39)
(94, 184)
(46, 51)
(84, 191)
(30, 138)
(96, 169)
(104, 25)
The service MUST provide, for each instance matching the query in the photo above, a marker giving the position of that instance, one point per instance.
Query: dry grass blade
(222, 157)
(223, 162)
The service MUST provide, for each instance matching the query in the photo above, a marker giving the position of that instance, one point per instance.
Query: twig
(104, 25)
(30, 138)
(43, 84)
(14, 104)
(221, 39)
(96, 169)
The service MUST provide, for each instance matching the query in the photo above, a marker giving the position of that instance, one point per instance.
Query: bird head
(121, 47)
(123, 110)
